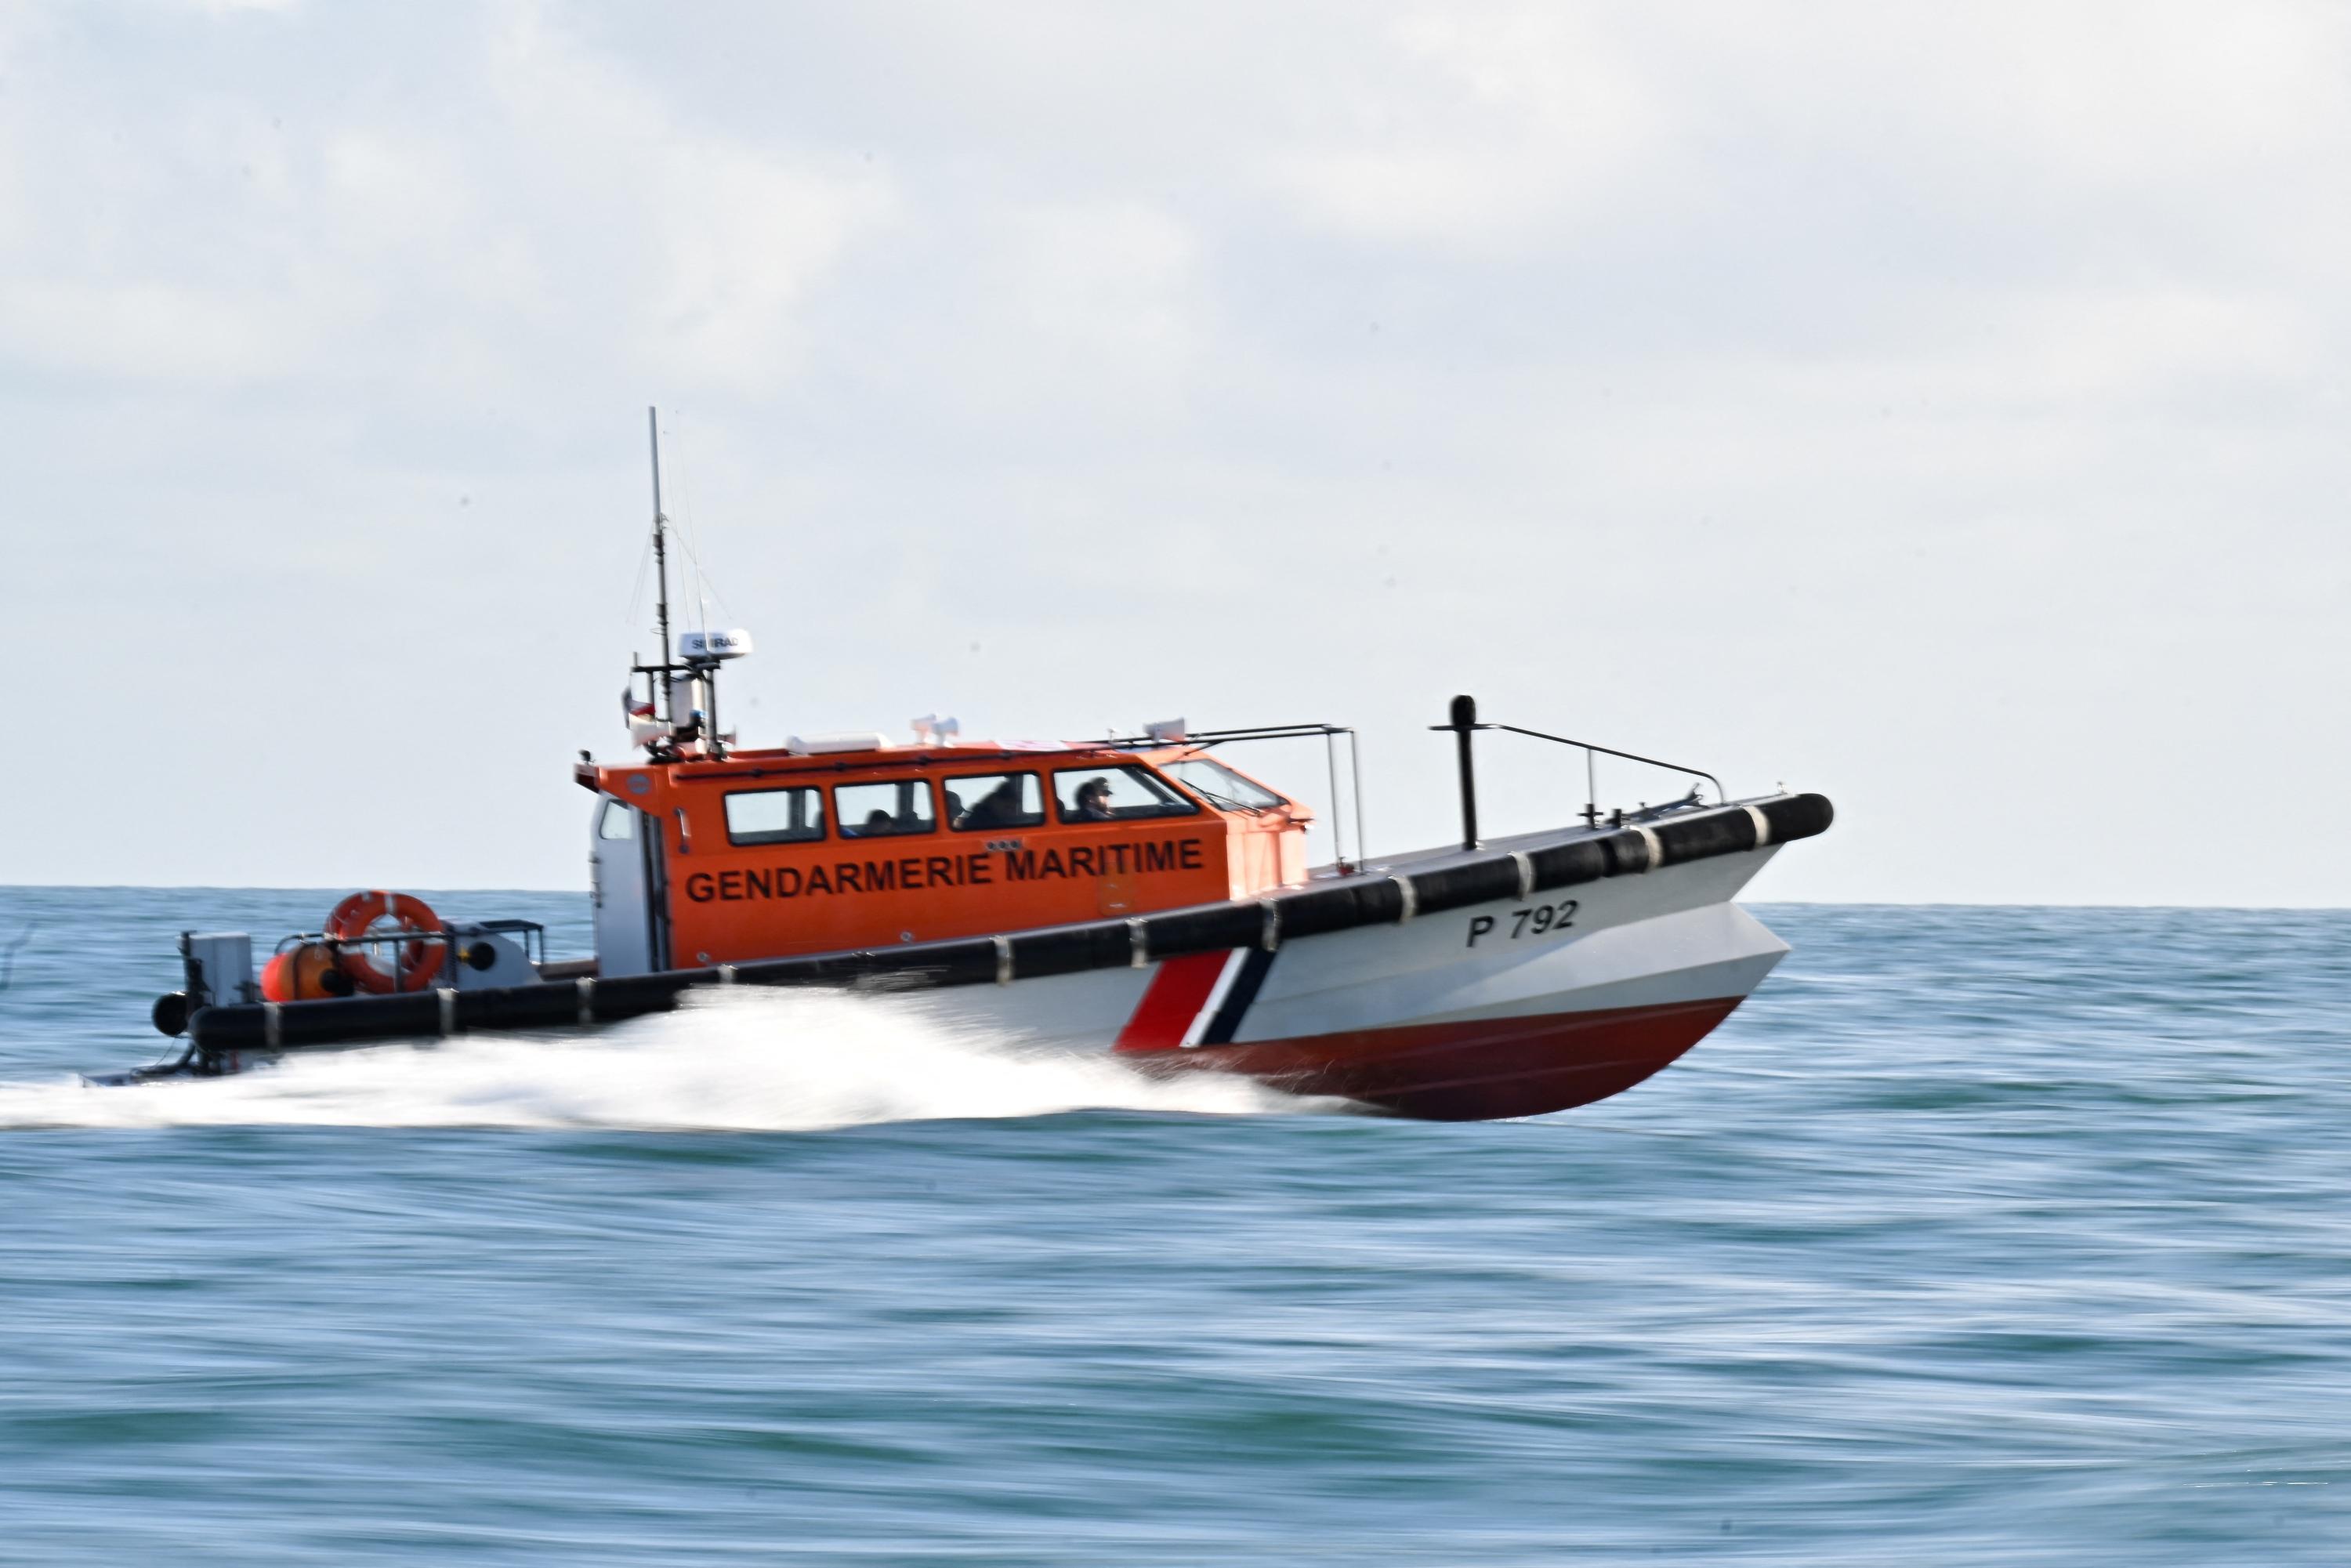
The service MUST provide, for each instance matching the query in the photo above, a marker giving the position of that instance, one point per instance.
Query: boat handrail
(1329, 734)
(1465, 721)
(738, 771)
(530, 935)
(1590, 805)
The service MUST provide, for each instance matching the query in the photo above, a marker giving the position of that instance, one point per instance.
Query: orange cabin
(770, 853)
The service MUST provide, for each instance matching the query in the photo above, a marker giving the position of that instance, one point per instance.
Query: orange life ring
(420, 960)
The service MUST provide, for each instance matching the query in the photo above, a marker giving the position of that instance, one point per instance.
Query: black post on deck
(1465, 721)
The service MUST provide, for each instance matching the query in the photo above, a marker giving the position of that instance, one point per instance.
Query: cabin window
(980, 801)
(775, 816)
(880, 810)
(1115, 794)
(619, 822)
(1221, 786)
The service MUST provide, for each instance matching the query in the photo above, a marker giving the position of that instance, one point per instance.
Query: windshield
(1220, 785)
(1115, 793)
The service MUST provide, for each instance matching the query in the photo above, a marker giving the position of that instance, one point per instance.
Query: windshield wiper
(1216, 799)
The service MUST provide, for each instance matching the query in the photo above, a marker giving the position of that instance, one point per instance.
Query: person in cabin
(877, 823)
(1093, 801)
(1000, 808)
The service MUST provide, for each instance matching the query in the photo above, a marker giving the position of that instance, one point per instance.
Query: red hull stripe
(1178, 993)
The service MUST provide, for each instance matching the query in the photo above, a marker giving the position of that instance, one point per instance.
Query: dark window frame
(858, 835)
(1044, 812)
(768, 839)
(1064, 818)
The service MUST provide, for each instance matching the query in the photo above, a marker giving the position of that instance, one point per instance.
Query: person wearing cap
(1093, 801)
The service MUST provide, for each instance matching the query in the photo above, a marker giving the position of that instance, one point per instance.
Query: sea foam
(741, 1061)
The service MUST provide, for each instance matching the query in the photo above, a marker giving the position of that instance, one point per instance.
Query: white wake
(736, 1061)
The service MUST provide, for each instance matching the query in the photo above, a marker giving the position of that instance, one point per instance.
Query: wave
(725, 1062)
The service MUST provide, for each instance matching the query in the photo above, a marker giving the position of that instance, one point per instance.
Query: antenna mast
(702, 651)
(661, 563)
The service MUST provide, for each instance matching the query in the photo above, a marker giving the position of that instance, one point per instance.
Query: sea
(2005, 1236)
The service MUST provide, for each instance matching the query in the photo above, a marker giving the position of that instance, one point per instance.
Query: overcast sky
(1939, 407)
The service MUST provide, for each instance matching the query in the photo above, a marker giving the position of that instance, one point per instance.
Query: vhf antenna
(660, 568)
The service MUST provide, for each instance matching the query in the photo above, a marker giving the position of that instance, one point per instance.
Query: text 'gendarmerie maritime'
(914, 874)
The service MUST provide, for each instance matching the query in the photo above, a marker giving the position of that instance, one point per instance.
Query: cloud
(1854, 394)
(732, 237)
(145, 331)
(376, 233)
(1487, 127)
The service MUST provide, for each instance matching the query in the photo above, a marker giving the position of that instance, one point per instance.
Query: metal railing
(1330, 734)
(530, 935)
(1465, 723)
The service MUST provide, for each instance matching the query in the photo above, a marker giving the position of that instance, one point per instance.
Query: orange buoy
(420, 959)
(304, 974)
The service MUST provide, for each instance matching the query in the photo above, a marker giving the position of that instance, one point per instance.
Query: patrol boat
(1139, 896)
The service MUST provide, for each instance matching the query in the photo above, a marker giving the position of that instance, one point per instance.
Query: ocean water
(1978, 1236)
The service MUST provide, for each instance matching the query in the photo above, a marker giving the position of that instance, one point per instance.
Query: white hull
(1642, 967)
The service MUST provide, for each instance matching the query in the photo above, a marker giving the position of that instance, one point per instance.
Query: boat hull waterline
(1529, 975)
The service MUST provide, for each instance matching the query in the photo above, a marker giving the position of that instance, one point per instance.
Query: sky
(1938, 407)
